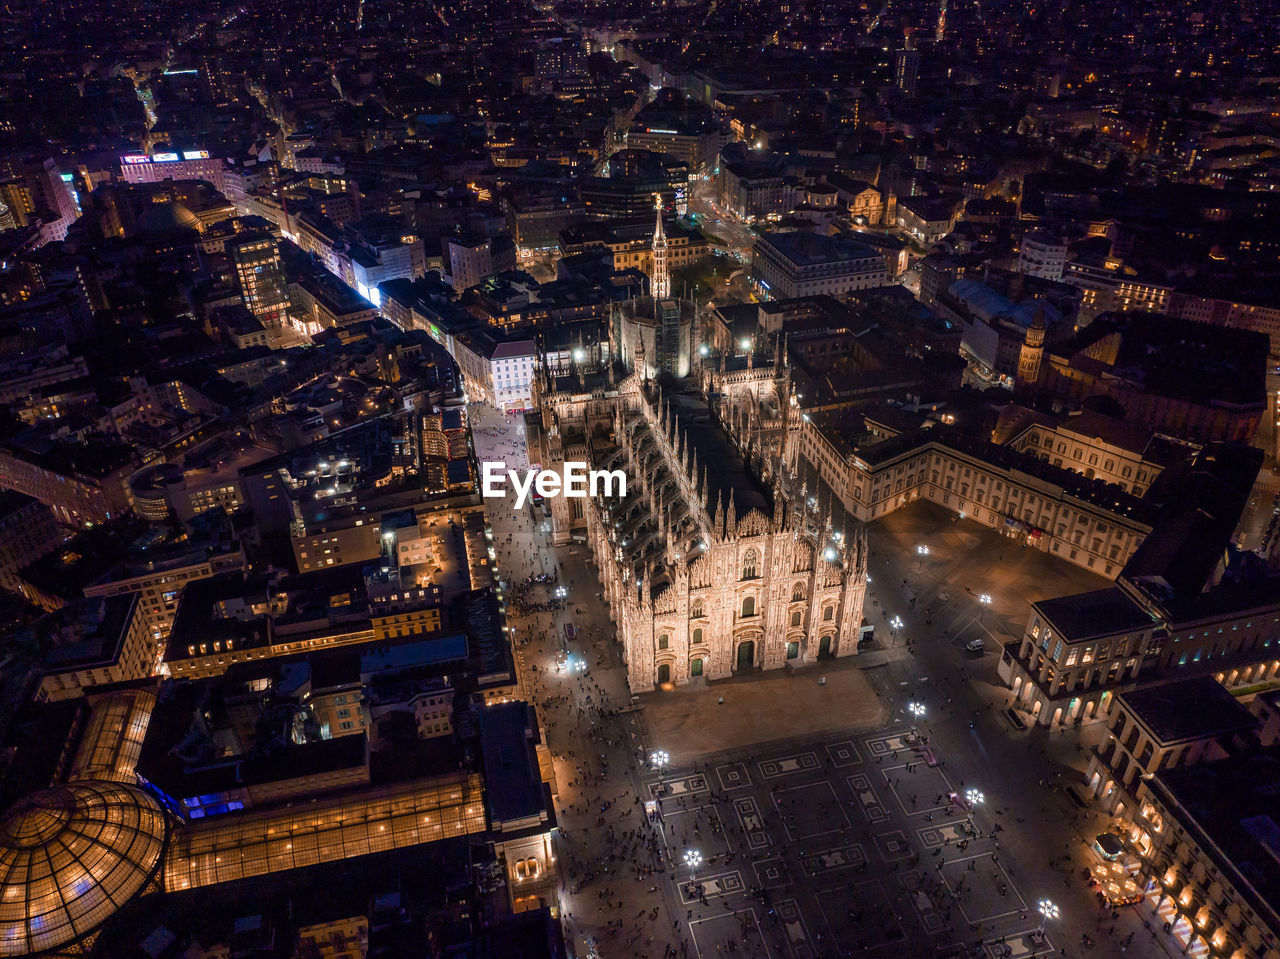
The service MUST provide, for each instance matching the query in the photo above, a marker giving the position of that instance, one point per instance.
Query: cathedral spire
(717, 522)
(731, 519)
(660, 281)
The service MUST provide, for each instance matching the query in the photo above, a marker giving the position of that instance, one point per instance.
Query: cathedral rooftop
(727, 472)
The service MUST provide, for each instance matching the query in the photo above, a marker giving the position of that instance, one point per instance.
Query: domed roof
(169, 217)
(71, 856)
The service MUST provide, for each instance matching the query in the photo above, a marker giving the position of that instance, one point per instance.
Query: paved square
(751, 822)
(711, 886)
(699, 829)
(692, 723)
(802, 762)
(843, 754)
(863, 915)
(726, 934)
(867, 799)
(986, 891)
(811, 810)
(772, 873)
(918, 791)
(893, 846)
(733, 775)
(801, 944)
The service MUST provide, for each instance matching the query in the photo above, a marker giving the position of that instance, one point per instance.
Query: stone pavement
(611, 859)
(701, 718)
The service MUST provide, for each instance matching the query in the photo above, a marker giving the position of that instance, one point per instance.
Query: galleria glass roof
(71, 856)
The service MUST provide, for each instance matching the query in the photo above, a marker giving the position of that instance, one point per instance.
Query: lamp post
(692, 859)
(917, 712)
(659, 759)
(922, 551)
(984, 600)
(1048, 910)
(895, 624)
(974, 797)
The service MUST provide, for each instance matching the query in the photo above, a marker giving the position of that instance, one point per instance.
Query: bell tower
(1032, 354)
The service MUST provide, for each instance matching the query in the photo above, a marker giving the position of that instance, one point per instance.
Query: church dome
(168, 218)
(70, 857)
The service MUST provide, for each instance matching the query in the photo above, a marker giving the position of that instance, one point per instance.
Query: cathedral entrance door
(746, 654)
(695, 668)
(664, 673)
(824, 646)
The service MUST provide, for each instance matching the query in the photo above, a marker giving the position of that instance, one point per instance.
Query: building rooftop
(812, 249)
(1181, 359)
(513, 784)
(94, 632)
(727, 472)
(1198, 708)
(1102, 612)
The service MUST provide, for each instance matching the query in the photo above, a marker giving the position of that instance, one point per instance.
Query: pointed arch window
(751, 564)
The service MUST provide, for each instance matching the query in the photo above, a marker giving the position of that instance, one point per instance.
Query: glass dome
(71, 856)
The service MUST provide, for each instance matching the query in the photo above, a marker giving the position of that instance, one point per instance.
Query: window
(797, 593)
(795, 618)
(793, 650)
(664, 641)
(697, 637)
(528, 869)
(696, 611)
(750, 564)
(828, 614)
(749, 606)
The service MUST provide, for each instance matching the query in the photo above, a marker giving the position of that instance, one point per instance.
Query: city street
(851, 835)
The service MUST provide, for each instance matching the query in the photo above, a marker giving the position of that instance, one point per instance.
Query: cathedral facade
(715, 562)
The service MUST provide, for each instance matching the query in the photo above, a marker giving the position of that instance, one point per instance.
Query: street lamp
(917, 710)
(1049, 910)
(895, 624)
(692, 859)
(983, 602)
(922, 551)
(974, 797)
(659, 759)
